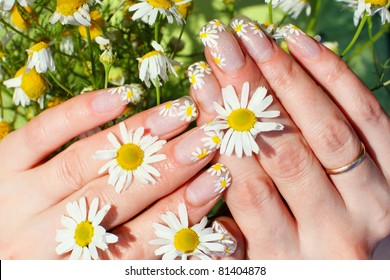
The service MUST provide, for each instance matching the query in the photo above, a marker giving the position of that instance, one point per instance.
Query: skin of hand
(285, 204)
(35, 188)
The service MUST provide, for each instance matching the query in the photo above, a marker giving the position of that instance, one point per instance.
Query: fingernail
(172, 115)
(223, 47)
(208, 185)
(301, 43)
(227, 240)
(197, 145)
(104, 102)
(205, 86)
(256, 42)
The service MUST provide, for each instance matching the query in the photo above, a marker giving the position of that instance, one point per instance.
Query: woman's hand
(35, 190)
(283, 200)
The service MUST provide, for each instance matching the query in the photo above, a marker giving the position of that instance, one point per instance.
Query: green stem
(156, 30)
(158, 92)
(1, 104)
(180, 35)
(106, 73)
(356, 36)
(60, 84)
(15, 30)
(91, 57)
(369, 23)
(270, 12)
(314, 18)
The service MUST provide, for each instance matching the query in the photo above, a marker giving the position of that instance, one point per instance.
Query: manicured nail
(301, 43)
(227, 240)
(172, 115)
(104, 102)
(208, 185)
(256, 42)
(223, 47)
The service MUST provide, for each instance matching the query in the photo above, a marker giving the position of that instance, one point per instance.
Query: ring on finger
(350, 165)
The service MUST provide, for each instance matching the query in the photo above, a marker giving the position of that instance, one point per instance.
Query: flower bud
(107, 58)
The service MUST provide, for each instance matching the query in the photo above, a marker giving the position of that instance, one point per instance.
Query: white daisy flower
(208, 36)
(148, 10)
(223, 182)
(40, 57)
(74, 12)
(218, 59)
(295, 7)
(177, 239)
(239, 27)
(170, 109)
(370, 7)
(7, 5)
(213, 139)
(240, 118)
(195, 77)
(131, 93)
(256, 30)
(28, 86)
(67, 44)
(217, 24)
(217, 169)
(203, 67)
(153, 65)
(188, 111)
(287, 30)
(200, 153)
(132, 159)
(83, 233)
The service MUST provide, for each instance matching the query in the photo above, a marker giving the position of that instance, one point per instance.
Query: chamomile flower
(74, 12)
(217, 169)
(217, 24)
(7, 5)
(155, 65)
(131, 93)
(188, 111)
(370, 7)
(295, 7)
(132, 159)
(28, 86)
(292, 29)
(223, 182)
(177, 239)
(218, 59)
(200, 153)
(256, 30)
(19, 22)
(95, 29)
(170, 109)
(209, 36)
(40, 57)
(203, 67)
(213, 139)
(239, 27)
(240, 118)
(196, 77)
(67, 44)
(5, 128)
(148, 10)
(83, 233)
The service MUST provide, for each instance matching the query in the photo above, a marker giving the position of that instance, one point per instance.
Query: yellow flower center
(241, 120)
(203, 154)
(69, 7)
(203, 35)
(216, 139)
(165, 4)
(223, 183)
(97, 23)
(217, 60)
(186, 240)
(168, 105)
(130, 157)
(129, 94)
(4, 129)
(193, 79)
(33, 84)
(238, 28)
(217, 166)
(381, 3)
(203, 65)
(183, 8)
(55, 101)
(189, 111)
(38, 47)
(84, 233)
(152, 53)
(20, 21)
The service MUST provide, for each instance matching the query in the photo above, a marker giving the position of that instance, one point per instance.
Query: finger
(55, 127)
(359, 105)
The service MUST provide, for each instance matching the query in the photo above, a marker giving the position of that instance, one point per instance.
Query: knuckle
(36, 133)
(286, 81)
(368, 110)
(336, 72)
(71, 169)
(381, 222)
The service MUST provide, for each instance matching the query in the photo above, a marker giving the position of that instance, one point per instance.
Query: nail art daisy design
(239, 27)
(217, 24)
(256, 30)
(132, 159)
(213, 139)
(218, 59)
(228, 241)
(200, 153)
(169, 109)
(83, 233)
(178, 240)
(223, 182)
(217, 169)
(40, 57)
(203, 67)
(240, 119)
(188, 111)
(131, 93)
(291, 29)
(196, 77)
(208, 36)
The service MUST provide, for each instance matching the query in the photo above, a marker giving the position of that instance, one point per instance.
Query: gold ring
(358, 159)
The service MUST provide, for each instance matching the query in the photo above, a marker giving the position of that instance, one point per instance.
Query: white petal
(244, 94)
